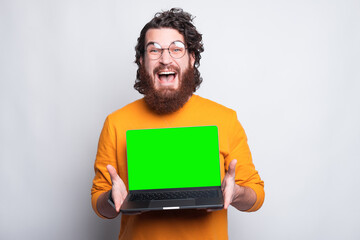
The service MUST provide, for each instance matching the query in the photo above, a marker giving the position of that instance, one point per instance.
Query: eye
(177, 48)
(153, 50)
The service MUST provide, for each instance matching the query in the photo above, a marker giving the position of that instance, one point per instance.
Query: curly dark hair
(174, 18)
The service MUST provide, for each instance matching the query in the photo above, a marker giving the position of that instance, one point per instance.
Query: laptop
(173, 168)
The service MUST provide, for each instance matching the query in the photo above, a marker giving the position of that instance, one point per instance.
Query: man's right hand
(119, 192)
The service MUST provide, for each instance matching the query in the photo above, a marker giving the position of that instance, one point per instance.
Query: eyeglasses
(176, 49)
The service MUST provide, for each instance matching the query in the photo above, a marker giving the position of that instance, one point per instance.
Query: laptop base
(138, 206)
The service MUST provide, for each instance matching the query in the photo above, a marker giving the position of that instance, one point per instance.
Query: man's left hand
(228, 185)
(241, 197)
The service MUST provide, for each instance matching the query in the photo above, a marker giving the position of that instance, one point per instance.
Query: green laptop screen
(173, 158)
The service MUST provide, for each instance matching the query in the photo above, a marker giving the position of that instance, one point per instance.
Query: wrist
(239, 193)
(245, 198)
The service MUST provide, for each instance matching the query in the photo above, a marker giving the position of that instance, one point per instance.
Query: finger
(223, 184)
(123, 189)
(228, 192)
(226, 199)
(118, 206)
(212, 209)
(115, 196)
(232, 166)
(118, 202)
(119, 190)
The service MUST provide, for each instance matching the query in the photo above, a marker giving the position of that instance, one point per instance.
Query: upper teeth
(166, 73)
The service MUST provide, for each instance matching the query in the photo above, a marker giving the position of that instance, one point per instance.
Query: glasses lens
(177, 49)
(153, 50)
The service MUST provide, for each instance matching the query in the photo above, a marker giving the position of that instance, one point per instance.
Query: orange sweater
(176, 224)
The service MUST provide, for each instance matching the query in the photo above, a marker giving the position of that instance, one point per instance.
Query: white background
(289, 68)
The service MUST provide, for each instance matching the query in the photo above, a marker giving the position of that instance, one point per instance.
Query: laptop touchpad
(172, 203)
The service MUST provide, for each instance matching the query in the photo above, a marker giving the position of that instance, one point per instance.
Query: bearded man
(168, 56)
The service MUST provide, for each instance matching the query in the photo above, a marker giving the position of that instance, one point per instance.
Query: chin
(166, 92)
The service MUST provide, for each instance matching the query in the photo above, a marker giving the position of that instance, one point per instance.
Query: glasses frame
(162, 50)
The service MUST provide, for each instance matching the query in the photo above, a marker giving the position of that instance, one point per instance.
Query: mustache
(167, 68)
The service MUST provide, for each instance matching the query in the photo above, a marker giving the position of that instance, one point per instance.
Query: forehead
(163, 36)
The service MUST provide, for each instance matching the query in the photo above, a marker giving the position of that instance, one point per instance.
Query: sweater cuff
(260, 196)
(94, 199)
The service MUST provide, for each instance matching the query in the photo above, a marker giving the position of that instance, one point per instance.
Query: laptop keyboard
(174, 195)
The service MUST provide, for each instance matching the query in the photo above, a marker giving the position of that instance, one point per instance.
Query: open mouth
(166, 76)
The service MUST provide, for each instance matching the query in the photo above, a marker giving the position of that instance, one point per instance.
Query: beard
(167, 100)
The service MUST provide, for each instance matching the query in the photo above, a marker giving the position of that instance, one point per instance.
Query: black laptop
(173, 168)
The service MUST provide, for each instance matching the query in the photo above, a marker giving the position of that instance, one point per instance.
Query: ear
(192, 59)
(141, 60)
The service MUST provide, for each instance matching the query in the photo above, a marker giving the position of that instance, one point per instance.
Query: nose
(165, 57)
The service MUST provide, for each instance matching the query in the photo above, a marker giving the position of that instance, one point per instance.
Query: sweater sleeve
(245, 172)
(106, 154)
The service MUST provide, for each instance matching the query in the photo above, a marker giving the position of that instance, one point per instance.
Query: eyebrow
(149, 43)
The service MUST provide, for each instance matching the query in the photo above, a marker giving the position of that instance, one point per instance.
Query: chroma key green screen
(173, 158)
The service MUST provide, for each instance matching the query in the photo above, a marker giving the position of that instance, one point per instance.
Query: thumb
(231, 170)
(113, 173)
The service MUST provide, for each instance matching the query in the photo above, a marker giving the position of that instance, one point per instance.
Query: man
(168, 57)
